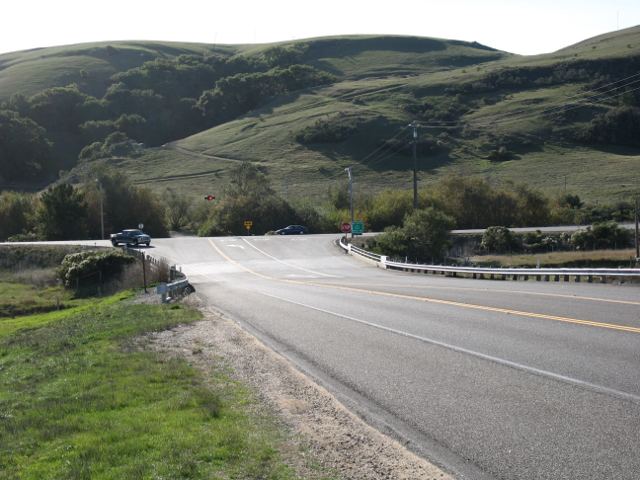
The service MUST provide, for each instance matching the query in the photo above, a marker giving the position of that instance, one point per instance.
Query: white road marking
(491, 358)
(287, 263)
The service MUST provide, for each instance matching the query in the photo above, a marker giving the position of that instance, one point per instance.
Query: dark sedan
(292, 230)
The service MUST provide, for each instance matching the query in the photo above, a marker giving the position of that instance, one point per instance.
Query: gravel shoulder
(330, 434)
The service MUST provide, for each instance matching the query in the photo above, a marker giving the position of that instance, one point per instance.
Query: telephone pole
(348, 170)
(637, 216)
(414, 125)
(101, 209)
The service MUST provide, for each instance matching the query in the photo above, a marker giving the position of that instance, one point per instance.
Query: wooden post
(144, 273)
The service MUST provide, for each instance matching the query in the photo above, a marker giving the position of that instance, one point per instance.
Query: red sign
(345, 227)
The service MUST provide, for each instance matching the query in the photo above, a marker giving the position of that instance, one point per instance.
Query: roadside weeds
(321, 428)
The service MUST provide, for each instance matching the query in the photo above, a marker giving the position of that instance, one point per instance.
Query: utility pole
(414, 125)
(101, 209)
(348, 170)
(637, 215)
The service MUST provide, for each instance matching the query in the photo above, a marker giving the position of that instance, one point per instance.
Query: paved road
(489, 379)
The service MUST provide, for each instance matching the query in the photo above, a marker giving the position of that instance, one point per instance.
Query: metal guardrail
(178, 284)
(540, 274)
(172, 290)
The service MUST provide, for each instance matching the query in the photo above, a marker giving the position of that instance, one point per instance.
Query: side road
(336, 438)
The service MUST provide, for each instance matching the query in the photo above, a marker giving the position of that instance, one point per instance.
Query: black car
(292, 230)
(130, 237)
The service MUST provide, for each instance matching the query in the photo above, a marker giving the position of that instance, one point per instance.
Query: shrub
(326, 131)
(601, 236)
(498, 239)
(80, 270)
(16, 212)
(423, 236)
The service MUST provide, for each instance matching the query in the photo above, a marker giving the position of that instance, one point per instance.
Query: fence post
(144, 272)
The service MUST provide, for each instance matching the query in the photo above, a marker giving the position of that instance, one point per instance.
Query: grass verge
(593, 259)
(19, 299)
(78, 399)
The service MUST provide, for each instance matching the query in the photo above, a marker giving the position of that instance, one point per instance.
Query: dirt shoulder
(334, 437)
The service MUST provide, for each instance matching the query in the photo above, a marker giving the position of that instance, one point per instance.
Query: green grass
(377, 77)
(596, 258)
(267, 136)
(34, 70)
(18, 299)
(79, 399)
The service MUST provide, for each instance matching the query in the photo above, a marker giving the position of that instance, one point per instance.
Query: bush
(248, 196)
(601, 236)
(538, 242)
(423, 236)
(327, 131)
(16, 214)
(618, 126)
(498, 239)
(85, 269)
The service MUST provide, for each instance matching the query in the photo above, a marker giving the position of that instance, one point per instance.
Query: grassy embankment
(80, 399)
(594, 259)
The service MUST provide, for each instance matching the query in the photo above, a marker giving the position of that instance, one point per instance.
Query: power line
(585, 96)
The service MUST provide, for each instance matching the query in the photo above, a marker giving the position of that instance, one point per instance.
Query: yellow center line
(438, 301)
(523, 292)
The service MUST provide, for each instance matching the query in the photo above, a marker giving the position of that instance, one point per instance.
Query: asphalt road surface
(488, 379)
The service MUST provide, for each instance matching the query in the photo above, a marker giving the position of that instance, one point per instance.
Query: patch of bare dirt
(337, 439)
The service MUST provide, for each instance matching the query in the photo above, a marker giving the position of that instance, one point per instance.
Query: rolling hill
(568, 119)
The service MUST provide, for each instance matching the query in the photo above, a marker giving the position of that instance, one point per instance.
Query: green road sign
(357, 227)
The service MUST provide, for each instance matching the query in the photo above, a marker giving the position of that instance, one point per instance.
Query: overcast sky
(518, 26)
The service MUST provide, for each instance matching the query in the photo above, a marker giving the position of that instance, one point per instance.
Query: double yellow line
(471, 306)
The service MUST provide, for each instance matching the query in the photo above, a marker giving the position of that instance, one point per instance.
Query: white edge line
(286, 263)
(483, 356)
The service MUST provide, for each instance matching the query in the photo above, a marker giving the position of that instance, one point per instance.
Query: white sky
(518, 26)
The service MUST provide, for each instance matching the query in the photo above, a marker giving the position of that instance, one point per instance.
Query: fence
(172, 282)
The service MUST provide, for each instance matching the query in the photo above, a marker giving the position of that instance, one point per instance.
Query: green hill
(90, 65)
(304, 110)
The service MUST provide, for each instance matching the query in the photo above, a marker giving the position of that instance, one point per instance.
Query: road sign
(248, 224)
(345, 227)
(357, 227)
(141, 226)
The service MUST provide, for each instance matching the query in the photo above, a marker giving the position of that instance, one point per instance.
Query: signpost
(248, 224)
(357, 227)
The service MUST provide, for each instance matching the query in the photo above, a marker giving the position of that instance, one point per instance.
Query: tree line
(73, 211)
(162, 100)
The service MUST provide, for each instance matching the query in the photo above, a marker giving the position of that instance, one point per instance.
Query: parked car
(292, 230)
(130, 237)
